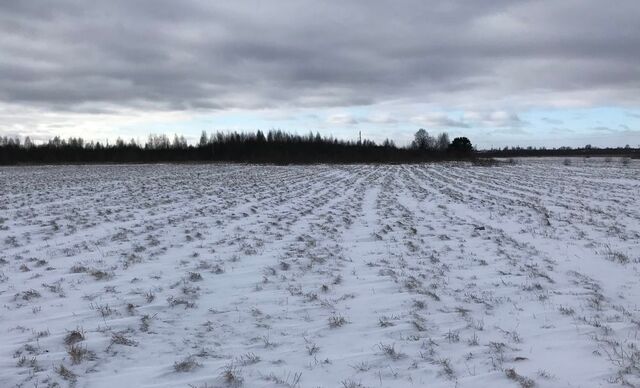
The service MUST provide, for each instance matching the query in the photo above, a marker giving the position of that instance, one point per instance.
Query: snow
(436, 275)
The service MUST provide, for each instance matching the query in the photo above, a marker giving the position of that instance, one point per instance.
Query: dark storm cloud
(181, 55)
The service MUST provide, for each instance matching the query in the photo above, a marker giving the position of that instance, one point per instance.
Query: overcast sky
(500, 72)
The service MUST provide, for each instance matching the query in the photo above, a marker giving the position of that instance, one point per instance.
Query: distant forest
(275, 146)
(586, 151)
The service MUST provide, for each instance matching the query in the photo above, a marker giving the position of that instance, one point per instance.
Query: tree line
(275, 146)
(587, 150)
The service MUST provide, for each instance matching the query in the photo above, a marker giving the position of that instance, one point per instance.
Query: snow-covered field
(321, 276)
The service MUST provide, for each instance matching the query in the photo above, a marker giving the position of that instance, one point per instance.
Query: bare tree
(203, 139)
(443, 141)
(422, 140)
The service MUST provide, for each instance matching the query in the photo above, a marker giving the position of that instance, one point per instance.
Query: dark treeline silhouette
(587, 150)
(275, 147)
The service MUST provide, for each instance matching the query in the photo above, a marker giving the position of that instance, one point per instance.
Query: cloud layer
(202, 56)
(81, 55)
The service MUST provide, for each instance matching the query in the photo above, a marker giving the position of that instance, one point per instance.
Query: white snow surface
(438, 275)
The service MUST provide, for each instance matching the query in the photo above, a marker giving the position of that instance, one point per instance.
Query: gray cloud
(342, 119)
(199, 55)
(472, 119)
(380, 118)
(438, 120)
(495, 119)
